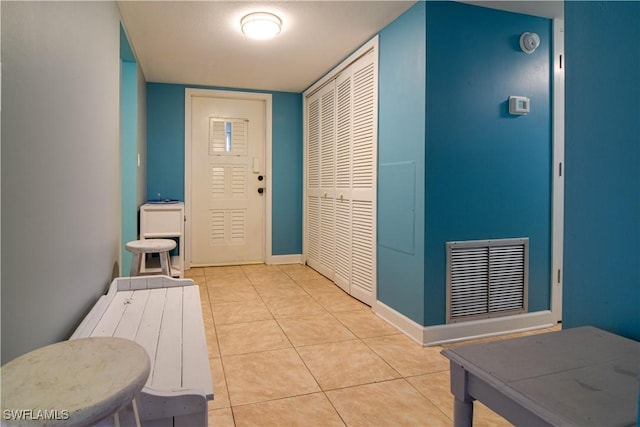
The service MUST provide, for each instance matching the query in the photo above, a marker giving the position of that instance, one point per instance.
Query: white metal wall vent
(487, 278)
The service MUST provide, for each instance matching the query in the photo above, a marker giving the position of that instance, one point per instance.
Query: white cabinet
(163, 221)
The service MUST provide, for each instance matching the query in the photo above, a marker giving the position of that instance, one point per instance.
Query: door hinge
(560, 63)
(558, 276)
(560, 169)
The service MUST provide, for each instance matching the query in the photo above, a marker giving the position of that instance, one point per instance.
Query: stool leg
(135, 264)
(128, 416)
(135, 412)
(168, 264)
(165, 263)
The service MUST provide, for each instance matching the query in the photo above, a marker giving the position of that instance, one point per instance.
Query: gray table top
(583, 376)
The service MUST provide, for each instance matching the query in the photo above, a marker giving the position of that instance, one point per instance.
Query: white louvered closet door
(327, 179)
(363, 178)
(313, 182)
(342, 276)
(341, 161)
(321, 181)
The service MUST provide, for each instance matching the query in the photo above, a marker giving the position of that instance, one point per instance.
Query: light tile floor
(289, 348)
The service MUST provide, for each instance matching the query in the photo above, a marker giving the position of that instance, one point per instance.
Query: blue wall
(453, 164)
(165, 157)
(488, 173)
(165, 141)
(128, 150)
(286, 165)
(401, 148)
(602, 155)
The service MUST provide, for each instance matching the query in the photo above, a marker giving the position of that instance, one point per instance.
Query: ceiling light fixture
(261, 25)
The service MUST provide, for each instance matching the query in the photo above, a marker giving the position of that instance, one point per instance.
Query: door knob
(260, 177)
(260, 190)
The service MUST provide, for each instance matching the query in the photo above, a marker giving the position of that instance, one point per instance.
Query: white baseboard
(454, 332)
(398, 320)
(285, 259)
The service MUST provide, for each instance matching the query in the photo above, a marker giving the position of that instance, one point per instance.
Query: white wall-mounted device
(519, 105)
(529, 42)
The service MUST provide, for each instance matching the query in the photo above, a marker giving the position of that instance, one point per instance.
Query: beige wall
(60, 166)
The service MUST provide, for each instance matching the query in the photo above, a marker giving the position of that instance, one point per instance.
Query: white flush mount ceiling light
(261, 25)
(529, 42)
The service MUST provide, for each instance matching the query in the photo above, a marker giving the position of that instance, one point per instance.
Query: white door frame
(224, 94)
(557, 201)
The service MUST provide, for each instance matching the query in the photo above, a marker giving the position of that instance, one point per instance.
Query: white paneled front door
(228, 181)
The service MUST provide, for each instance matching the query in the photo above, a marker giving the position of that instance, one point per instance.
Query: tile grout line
(224, 373)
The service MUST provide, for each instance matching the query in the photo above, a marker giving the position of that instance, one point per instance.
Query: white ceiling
(200, 42)
(543, 8)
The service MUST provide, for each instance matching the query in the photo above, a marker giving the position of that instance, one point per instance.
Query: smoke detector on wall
(529, 42)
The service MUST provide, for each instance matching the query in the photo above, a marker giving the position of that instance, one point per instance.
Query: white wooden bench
(164, 316)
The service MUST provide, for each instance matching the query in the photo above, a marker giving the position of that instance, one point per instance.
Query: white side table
(73, 383)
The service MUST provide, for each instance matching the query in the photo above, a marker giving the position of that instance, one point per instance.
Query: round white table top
(72, 383)
(151, 245)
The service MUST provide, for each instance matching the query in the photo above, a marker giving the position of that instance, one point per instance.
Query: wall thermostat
(519, 105)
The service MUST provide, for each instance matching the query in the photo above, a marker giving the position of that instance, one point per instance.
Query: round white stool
(140, 248)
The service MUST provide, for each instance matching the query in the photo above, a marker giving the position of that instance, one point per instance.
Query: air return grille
(487, 278)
